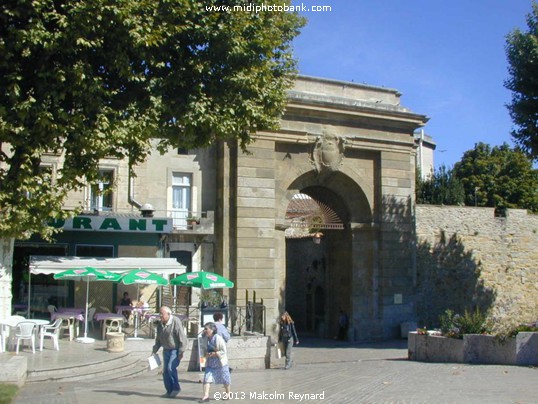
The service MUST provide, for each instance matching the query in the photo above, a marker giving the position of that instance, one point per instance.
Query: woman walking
(217, 371)
(287, 337)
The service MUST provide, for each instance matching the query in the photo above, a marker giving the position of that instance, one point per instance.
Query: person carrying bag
(287, 336)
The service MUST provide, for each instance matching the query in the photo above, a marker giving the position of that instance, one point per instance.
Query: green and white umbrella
(203, 280)
(88, 274)
(141, 277)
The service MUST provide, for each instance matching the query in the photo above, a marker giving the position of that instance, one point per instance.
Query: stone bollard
(115, 341)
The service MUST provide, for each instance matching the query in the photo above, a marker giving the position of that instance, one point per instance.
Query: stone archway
(319, 277)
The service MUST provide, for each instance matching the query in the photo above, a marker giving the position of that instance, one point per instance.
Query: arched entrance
(318, 261)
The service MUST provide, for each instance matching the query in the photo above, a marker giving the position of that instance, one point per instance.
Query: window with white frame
(181, 199)
(101, 195)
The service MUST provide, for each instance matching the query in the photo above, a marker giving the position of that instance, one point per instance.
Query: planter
(115, 342)
(431, 348)
(475, 348)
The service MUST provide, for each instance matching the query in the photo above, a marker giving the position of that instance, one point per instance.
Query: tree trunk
(6, 275)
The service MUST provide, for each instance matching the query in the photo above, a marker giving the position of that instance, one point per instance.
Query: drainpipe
(130, 190)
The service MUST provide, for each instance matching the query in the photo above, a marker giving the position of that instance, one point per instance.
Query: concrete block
(475, 348)
(429, 348)
(13, 369)
(527, 349)
(486, 349)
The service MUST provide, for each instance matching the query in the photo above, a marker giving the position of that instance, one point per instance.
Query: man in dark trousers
(171, 337)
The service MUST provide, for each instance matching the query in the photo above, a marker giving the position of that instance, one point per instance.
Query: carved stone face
(328, 152)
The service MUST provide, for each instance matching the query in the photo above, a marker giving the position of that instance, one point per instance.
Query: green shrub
(471, 322)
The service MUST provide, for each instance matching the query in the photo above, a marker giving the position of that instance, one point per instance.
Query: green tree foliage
(499, 177)
(87, 79)
(441, 188)
(522, 54)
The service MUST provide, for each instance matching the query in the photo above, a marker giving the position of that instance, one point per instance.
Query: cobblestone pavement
(325, 372)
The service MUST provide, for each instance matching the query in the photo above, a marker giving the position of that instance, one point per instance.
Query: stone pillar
(255, 231)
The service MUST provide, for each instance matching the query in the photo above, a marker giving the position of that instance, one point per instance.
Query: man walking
(171, 337)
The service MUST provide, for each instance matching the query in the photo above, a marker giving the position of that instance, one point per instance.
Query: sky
(447, 58)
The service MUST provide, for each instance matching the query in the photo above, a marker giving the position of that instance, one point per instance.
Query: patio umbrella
(141, 276)
(138, 277)
(88, 274)
(203, 280)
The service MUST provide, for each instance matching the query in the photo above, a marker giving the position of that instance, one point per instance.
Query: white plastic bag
(154, 361)
(278, 352)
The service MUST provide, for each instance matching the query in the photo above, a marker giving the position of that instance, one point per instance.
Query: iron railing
(241, 319)
(249, 318)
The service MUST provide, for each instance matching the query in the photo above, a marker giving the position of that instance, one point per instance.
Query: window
(82, 250)
(101, 195)
(181, 199)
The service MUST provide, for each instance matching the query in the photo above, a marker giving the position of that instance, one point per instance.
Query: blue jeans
(288, 345)
(170, 364)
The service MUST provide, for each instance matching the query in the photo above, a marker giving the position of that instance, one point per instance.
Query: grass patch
(7, 392)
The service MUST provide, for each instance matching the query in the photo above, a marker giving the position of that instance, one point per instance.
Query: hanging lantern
(316, 237)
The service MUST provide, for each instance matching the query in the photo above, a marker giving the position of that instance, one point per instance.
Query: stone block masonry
(466, 256)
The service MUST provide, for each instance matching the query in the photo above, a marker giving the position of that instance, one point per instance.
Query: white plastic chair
(91, 314)
(112, 325)
(53, 332)
(68, 324)
(51, 308)
(7, 330)
(25, 331)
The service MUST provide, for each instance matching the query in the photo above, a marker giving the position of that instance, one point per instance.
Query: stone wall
(467, 257)
(244, 352)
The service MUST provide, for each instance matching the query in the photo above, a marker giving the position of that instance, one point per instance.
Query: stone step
(124, 365)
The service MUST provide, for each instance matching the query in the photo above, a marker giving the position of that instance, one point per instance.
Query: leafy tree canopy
(93, 78)
(522, 54)
(440, 188)
(499, 177)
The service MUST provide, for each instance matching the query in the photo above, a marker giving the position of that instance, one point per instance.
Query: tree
(522, 54)
(441, 188)
(499, 177)
(93, 78)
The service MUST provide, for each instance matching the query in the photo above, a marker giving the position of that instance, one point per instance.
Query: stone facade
(467, 257)
(350, 147)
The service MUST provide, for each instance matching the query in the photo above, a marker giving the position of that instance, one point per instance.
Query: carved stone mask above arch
(328, 151)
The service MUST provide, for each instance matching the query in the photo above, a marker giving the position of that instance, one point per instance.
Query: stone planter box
(475, 348)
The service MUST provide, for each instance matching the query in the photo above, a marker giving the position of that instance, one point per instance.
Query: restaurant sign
(114, 224)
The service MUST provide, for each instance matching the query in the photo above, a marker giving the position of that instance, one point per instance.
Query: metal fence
(240, 319)
(249, 318)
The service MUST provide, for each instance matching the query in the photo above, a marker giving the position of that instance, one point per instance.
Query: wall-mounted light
(316, 237)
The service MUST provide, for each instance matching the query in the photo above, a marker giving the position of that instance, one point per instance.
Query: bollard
(115, 341)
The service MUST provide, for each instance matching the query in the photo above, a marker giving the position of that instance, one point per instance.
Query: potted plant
(192, 220)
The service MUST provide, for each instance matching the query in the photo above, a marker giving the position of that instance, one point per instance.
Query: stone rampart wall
(467, 257)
